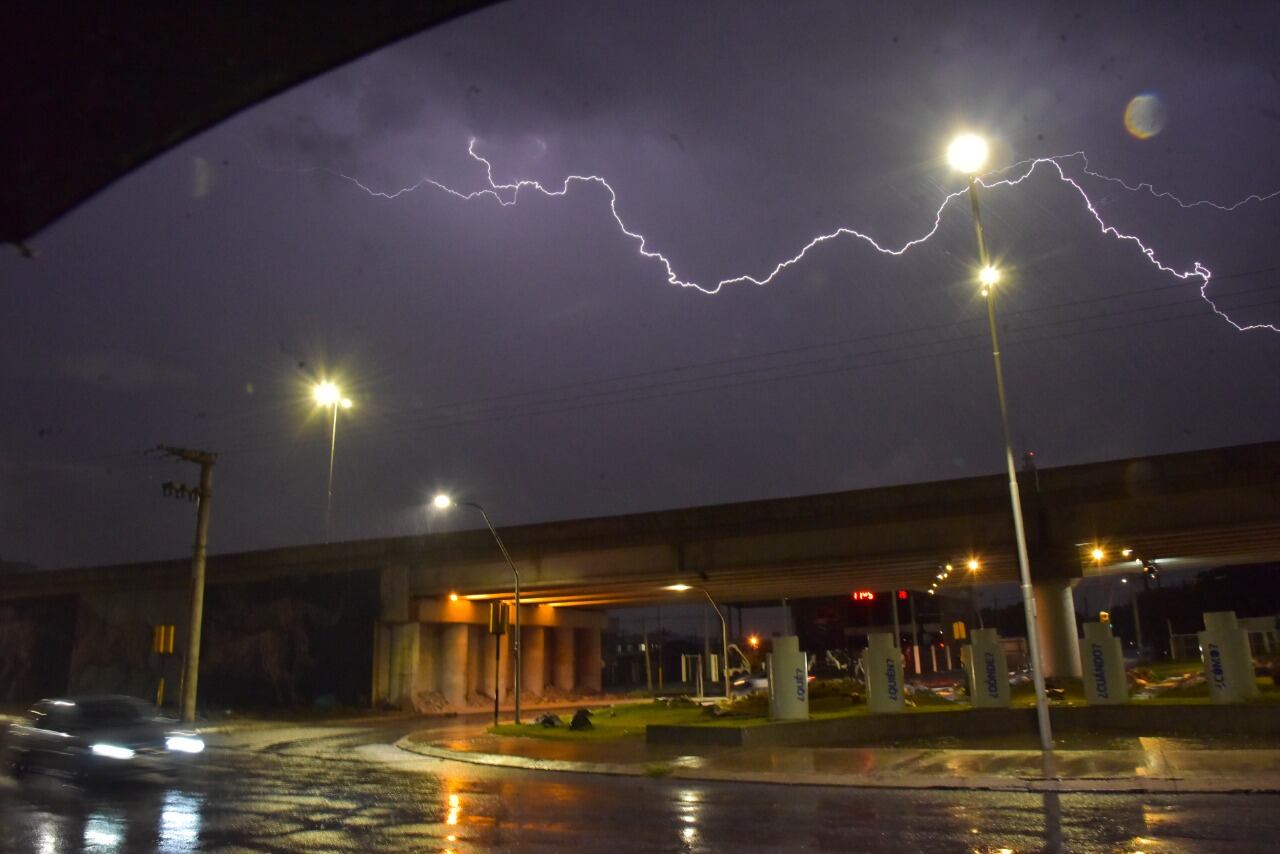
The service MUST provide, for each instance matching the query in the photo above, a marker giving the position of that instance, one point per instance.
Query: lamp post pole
(515, 635)
(1015, 500)
(724, 643)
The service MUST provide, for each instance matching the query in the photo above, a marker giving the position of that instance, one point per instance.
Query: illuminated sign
(863, 596)
(902, 594)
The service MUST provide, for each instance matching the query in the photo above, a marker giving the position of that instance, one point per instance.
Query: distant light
(939, 576)
(902, 594)
(1098, 554)
(932, 591)
(442, 502)
(453, 597)
(679, 588)
(753, 641)
(947, 567)
(1126, 552)
(112, 751)
(967, 153)
(346, 403)
(1124, 581)
(989, 276)
(184, 744)
(973, 564)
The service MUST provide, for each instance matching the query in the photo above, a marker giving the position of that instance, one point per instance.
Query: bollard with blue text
(882, 662)
(1228, 662)
(788, 680)
(988, 670)
(1102, 665)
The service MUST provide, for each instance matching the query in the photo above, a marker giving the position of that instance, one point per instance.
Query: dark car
(93, 737)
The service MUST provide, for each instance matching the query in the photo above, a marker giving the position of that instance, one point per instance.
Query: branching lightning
(508, 194)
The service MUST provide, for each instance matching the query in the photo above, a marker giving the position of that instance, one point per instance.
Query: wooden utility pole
(191, 661)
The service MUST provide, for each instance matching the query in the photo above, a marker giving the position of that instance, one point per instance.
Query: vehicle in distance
(97, 737)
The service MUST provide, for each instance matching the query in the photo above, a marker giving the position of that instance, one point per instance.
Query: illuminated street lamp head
(753, 641)
(967, 153)
(679, 588)
(327, 394)
(442, 502)
(989, 276)
(973, 564)
(1098, 554)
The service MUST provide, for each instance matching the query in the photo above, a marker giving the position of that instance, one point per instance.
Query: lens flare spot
(1145, 116)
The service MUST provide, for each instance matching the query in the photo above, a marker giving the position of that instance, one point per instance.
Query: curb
(678, 770)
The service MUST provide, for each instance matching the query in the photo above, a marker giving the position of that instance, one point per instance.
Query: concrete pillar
(589, 660)
(453, 670)
(475, 662)
(533, 655)
(490, 673)
(564, 672)
(404, 664)
(1056, 615)
(427, 680)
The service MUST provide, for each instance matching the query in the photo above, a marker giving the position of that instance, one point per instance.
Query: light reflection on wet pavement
(346, 789)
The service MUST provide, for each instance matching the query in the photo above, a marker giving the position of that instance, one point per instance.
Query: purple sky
(529, 358)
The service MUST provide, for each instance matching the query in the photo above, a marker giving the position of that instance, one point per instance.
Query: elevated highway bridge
(1197, 508)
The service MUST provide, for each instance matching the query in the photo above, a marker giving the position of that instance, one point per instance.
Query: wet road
(345, 789)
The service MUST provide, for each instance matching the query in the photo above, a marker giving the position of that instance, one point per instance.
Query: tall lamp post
(724, 630)
(327, 394)
(444, 502)
(967, 154)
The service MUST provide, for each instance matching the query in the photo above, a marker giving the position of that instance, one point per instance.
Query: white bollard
(1228, 662)
(1102, 664)
(788, 680)
(882, 662)
(988, 670)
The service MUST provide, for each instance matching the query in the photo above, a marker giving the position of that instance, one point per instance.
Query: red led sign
(863, 596)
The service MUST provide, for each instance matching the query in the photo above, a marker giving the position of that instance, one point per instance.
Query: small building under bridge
(404, 620)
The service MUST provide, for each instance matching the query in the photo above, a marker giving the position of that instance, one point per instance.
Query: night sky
(529, 358)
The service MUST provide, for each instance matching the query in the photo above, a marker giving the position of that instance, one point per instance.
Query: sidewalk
(1161, 765)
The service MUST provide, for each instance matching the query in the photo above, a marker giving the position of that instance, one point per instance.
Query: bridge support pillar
(503, 672)
(1056, 615)
(533, 655)
(589, 661)
(454, 661)
(564, 671)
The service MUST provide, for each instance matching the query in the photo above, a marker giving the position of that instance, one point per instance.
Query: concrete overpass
(1212, 506)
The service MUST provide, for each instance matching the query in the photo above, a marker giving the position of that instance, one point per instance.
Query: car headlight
(112, 751)
(184, 744)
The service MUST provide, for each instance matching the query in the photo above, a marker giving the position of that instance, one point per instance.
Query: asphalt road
(346, 789)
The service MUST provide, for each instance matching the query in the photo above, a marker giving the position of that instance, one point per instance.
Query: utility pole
(202, 496)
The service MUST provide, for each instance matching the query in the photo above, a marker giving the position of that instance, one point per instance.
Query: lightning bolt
(508, 194)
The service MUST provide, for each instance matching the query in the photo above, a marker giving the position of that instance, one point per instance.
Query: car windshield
(112, 712)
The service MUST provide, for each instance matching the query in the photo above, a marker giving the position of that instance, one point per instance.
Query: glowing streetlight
(973, 564)
(967, 154)
(327, 394)
(724, 629)
(754, 641)
(1098, 555)
(443, 501)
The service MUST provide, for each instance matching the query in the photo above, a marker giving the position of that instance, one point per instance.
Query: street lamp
(444, 502)
(967, 154)
(327, 394)
(724, 630)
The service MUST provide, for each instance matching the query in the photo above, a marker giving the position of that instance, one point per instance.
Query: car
(98, 737)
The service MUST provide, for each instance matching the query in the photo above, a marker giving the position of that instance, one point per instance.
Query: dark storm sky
(528, 357)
